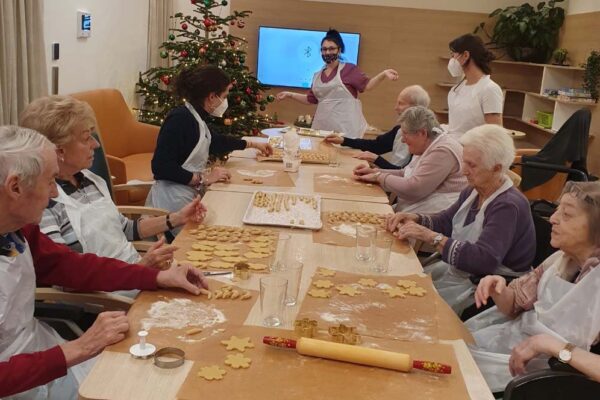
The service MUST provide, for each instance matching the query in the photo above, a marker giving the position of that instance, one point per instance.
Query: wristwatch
(565, 355)
(437, 239)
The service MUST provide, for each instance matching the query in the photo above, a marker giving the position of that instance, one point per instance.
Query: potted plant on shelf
(591, 75)
(525, 32)
(559, 56)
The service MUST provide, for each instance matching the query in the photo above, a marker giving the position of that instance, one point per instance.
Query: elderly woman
(552, 311)
(83, 215)
(433, 179)
(185, 141)
(488, 230)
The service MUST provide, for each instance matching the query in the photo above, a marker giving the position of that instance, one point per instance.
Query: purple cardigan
(508, 236)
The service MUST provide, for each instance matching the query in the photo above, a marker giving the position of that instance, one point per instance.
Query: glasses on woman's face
(328, 49)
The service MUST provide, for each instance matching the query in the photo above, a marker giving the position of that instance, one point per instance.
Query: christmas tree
(203, 39)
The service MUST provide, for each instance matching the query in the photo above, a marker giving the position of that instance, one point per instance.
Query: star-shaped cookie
(211, 373)
(322, 293)
(396, 292)
(325, 272)
(323, 284)
(237, 360)
(406, 283)
(236, 343)
(348, 290)
(417, 291)
(368, 282)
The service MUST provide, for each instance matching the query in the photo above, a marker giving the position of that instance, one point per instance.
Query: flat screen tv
(290, 57)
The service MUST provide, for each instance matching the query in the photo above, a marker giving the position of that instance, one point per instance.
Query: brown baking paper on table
(276, 374)
(341, 183)
(327, 235)
(185, 239)
(279, 178)
(235, 311)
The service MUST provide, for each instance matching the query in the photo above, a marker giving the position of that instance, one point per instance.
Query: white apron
(337, 110)
(400, 154)
(173, 196)
(452, 284)
(98, 225)
(567, 311)
(21, 333)
(436, 201)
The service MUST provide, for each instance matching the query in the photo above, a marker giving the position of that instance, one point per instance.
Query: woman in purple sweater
(489, 230)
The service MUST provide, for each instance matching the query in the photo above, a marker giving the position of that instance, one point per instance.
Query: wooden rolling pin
(356, 354)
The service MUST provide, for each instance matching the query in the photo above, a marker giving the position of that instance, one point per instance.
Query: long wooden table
(117, 375)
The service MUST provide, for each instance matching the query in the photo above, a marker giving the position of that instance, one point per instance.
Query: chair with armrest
(129, 144)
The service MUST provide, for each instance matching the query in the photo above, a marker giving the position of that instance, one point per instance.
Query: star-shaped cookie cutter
(305, 327)
(344, 334)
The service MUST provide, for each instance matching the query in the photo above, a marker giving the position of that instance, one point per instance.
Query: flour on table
(182, 313)
(261, 173)
(345, 229)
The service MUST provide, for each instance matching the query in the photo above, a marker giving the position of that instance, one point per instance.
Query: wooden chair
(129, 145)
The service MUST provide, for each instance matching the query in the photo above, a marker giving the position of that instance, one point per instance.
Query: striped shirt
(55, 221)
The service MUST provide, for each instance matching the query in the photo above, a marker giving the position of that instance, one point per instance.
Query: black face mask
(329, 58)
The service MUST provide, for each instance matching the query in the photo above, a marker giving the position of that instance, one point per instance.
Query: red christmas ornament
(184, 26)
(202, 50)
(248, 91)
(232, 22)
(255, 131)
(165, 79)
(183, 53)
(258, 97)
(207, 22)
(241, 24)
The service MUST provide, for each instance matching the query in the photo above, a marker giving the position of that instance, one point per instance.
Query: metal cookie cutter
(305, 327)
(169, 357)
(344, 334)
(241, 270)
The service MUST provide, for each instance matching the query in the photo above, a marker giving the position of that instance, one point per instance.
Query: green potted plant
(591, 75)
(525, 32)
(559, 56)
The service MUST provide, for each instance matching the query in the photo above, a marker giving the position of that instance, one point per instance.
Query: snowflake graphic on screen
(308, 52)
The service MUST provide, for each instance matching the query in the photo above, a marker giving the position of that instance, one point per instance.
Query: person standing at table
(335, 90)
(185, 142)
(476, 100)
(391, 141)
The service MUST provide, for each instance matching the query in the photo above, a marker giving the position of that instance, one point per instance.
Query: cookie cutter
(241, 270)
(344, 334)
(169, 357)
(305, 327)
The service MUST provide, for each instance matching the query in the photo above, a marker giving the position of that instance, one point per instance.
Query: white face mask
(455, 68)
(221, 108)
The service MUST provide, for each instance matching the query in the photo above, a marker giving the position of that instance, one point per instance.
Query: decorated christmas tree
(204, 39)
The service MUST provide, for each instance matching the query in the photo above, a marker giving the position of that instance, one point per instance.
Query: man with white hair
(390, 141)
(35, 362)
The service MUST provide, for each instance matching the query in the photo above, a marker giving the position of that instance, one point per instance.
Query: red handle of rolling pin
(431, 366)
(277, 341)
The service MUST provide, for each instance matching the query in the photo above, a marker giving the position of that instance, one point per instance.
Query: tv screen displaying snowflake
(290, 57)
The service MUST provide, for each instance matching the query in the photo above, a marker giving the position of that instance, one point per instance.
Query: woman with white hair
(552, 311)
(488, 230)
(433, 179)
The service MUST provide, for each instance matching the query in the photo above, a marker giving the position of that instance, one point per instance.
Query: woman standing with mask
(185, 142)
(476, 100)
(335, 90)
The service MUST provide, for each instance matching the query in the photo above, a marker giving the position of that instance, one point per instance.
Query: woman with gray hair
(488, 230)
(553, 311)
(433, 179)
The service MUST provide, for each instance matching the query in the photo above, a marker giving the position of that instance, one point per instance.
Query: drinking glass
(272, 296)
(365, 242)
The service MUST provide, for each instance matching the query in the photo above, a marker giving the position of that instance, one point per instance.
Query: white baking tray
(292, 217)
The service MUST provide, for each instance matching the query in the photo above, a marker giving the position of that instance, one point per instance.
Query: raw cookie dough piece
(367, 282)
(252, 254)
(237, 360)
(255, 245)
(348, 290)
(226, 253)
(202, 247)
(257, 266)
(234, 259)
(198, 256)
(406, 283)
(236, 343)
(229, 247)
(220, 264)
(211, 373)
(322, 293)
(323, 283)
(396, 292)
(325, 272)
(417, 291)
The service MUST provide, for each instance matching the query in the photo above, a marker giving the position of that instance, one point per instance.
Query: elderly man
(390, 141)
(34, 361)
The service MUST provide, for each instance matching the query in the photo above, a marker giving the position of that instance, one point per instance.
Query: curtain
(159, 22)
(22, 57)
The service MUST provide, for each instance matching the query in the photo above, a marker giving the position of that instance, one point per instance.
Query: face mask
(455, 68)
(221, 108)
(329, 58)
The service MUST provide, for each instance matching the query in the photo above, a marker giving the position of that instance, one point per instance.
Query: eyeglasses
(324, 49)
(574, 189)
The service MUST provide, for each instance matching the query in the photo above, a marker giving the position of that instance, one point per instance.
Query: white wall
(583, 6)
(111, 57)
(480, 6)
